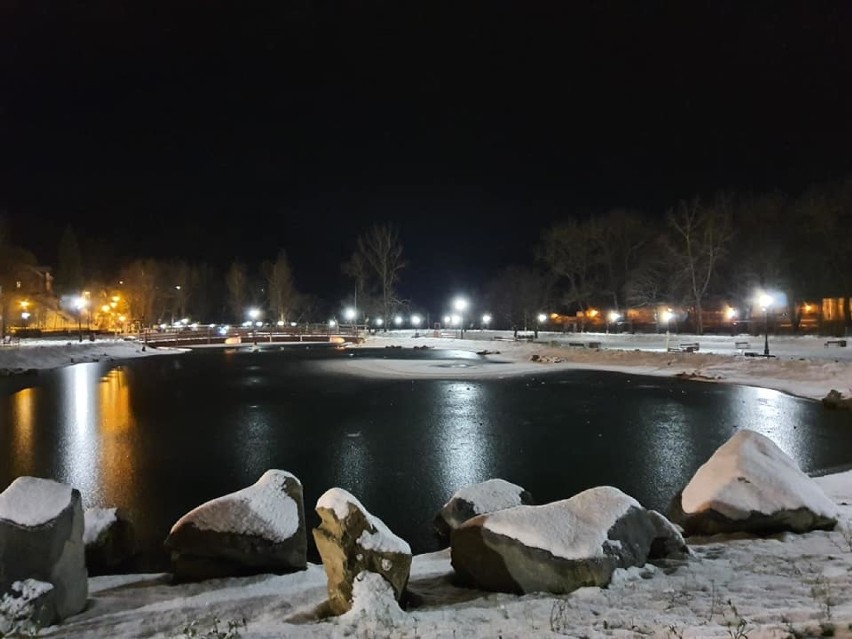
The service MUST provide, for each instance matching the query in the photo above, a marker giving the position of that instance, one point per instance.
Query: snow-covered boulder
(110, 540)
(27, 606)
(478, 499)
(557, 547)
(751, 485)
(258, 529)
(351, 541)
(41, 539)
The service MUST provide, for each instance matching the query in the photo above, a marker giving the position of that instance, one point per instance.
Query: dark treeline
(702, 253)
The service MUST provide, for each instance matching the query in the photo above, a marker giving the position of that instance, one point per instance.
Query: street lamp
(613, 317)
(460, 304)
(667, 317)
(350, 314)
(80, 304)
(253, 314)
(765, 301)
(486, 320)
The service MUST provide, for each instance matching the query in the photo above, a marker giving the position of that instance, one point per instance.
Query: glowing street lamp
(415, 320)
(349, 314)
(397, 320)
(765, 300)
(667, 317)
(80, 304)
(460, 304)
(613, 317)
(486, 320)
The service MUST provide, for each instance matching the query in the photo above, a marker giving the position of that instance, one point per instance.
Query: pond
(158, 436)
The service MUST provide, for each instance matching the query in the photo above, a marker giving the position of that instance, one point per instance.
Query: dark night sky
(216, 130)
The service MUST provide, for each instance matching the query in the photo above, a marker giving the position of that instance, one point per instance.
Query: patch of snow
(18, 602)
(97, 520)
(262, 509)
(373, 601)
(749, 473)
(573, 528)
(33, 501)
(490, 495)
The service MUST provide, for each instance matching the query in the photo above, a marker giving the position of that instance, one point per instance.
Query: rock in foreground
(751, 485)
(254, 530)
(350, 542)
(41, 540)
(110, 541)
(557, 547)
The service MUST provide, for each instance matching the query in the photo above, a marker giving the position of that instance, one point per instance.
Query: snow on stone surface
(573, 528)
(773, 481)
(373, 602)
(96, 521)
(262, 510)
(382, 539)
(33, 501)
(490, 495)
(14, 607)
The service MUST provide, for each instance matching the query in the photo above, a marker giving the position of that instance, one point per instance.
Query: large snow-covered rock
(557, 547)
(751, 485)
(110, 540)
(254, 530)
(478, 499)
(41, 539)
(26, 607)
(351, 541)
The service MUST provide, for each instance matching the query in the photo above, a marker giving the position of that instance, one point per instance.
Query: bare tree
(237, 282)
(517, 295)
(281, 290)
(379, 252)
(140, 290)
(698, 238)
(569, 250)
(619, 237)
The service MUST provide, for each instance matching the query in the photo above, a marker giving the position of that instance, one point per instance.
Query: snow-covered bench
(835, 342)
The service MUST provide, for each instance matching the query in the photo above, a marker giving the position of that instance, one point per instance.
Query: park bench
(526, 337)
(584, 344)
(835, 342)
(742, 344)
(687, 347)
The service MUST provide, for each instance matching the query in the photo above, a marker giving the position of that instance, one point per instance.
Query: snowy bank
(32, 355)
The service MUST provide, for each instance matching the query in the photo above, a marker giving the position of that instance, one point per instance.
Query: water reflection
(462, 448)
(23, 423)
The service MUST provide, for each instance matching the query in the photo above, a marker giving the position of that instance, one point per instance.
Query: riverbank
(34, 355)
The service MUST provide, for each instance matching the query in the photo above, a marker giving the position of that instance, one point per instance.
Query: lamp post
(667, 318)
(80, 304)
(486, 320)
(460, 304)
(765, 302)
(542, 318)
(253, 314)
(350, 314)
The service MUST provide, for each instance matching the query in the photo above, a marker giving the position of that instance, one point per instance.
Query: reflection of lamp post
(460, 304)
(765, 301)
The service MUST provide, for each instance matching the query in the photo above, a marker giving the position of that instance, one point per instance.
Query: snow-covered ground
(783, 586)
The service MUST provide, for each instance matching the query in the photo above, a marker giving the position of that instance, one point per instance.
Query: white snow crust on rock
(33, 501)
(262, 510)
(12, 607)
(383, 539)
(490, 495)
(574, 528)
(749, 473)
(97, 520)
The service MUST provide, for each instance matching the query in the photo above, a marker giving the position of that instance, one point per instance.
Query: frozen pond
(158, 436)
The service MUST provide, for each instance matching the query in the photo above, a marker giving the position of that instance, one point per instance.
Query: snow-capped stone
(41, 538)
(751, 485)
(557, 547)
(373, 598)
(478, 499)
(27, 606)
(110, 540)
(258, 529)
(352, 541)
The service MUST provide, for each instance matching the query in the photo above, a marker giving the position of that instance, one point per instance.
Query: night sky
(217, 130)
